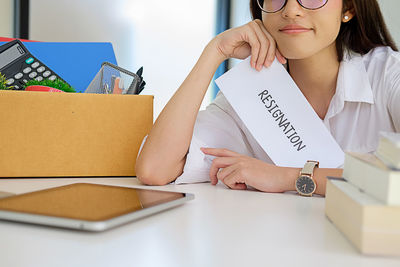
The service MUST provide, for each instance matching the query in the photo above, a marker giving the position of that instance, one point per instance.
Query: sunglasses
(272, 6)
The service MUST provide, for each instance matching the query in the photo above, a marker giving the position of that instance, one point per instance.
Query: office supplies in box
(112, 79)
(70, 135)
(76, 63)
(19, 66)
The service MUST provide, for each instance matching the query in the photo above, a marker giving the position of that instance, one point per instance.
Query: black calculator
(19, 66)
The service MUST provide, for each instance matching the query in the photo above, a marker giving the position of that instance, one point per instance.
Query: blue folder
(76, 63)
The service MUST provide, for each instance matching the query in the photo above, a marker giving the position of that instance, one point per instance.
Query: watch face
(305, 185)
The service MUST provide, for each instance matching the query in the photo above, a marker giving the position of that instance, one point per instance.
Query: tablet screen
(90, 202)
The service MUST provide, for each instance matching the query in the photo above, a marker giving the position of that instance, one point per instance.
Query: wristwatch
(305, 184)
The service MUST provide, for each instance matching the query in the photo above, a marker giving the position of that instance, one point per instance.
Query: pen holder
(112, 79)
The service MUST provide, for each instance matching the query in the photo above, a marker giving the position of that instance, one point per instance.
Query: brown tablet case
(90, 202)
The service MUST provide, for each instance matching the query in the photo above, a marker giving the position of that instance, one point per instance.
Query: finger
(272, 44)
(237, 186)
(271, 53)
(225, 172)
(264, 44)
(219, 152)
(280, 58)
(251, 38)
(235, 181)
(271, 47)
(219, 163)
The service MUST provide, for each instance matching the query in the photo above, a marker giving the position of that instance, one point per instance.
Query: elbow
(151, 180)
(148, 175)
(156, 171)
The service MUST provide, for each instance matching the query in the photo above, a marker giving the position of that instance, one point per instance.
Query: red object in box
(41, 88)
(5, 39)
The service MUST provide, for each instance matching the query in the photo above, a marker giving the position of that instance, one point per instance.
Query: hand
(239, 171)
(250, 39)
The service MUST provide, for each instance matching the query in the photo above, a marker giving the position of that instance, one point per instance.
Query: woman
(340, 55)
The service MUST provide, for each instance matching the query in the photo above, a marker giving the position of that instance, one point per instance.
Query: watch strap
(309, 167)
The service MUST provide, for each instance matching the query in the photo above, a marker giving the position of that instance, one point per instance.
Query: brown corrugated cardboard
(67, 135)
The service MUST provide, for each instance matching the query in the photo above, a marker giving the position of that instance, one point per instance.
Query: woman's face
(302, 33)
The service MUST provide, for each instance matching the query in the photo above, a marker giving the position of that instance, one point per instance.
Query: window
(166, 37)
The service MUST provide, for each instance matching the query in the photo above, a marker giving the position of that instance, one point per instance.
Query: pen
(140, 72)
(141, 83)
(112, 83)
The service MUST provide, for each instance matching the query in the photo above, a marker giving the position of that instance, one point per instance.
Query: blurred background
(166, 37)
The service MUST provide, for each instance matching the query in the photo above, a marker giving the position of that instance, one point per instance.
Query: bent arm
(164, 153)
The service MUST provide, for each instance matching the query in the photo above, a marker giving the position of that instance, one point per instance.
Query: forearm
(163, 155)
(319, 177)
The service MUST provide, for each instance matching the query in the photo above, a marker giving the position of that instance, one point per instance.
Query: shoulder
(220, 103)
(382, 60)
(219, 110)
(382, 65)
(222, 109)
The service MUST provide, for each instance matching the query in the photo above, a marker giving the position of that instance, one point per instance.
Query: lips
(294, 28)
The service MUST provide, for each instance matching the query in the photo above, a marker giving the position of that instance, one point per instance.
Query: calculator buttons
(18, 76)
(46, 74)
(29, 60)
(41, 69)
(39, 79)
(25, 81)
(32, 75)
(16, 87)
(53, 77)
(10, 81)
(35, 65)
(27, 70)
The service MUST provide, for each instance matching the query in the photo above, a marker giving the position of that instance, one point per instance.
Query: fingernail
(259, 67)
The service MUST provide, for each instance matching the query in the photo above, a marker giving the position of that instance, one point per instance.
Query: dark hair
(365, 31)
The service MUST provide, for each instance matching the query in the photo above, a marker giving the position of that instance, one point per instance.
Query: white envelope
(279, 116)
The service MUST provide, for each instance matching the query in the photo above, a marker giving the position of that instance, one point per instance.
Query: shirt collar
(352, 84)
(354, 79)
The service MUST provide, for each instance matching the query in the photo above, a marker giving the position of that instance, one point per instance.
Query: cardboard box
(71, 134)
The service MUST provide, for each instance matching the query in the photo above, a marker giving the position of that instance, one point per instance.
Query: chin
(295, 52)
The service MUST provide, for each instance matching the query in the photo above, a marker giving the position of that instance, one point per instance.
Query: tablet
(89, 207)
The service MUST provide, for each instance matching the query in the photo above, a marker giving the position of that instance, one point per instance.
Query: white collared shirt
(367, 101)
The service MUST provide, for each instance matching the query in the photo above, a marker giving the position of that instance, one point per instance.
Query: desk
(221, 227)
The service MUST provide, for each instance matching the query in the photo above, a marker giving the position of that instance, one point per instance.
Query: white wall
(390, 9)
(166, 37)
(6, 18)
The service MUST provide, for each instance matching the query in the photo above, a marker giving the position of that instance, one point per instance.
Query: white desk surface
(221, 227)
